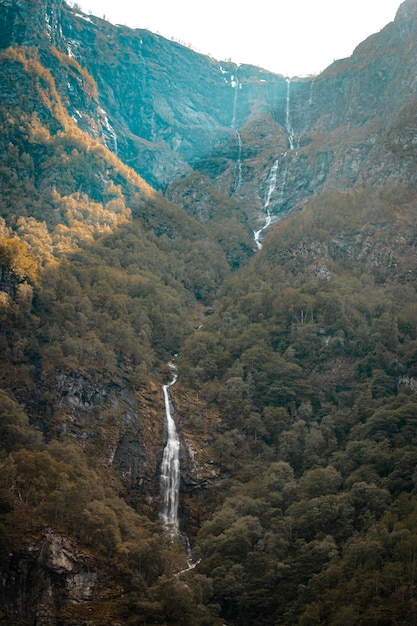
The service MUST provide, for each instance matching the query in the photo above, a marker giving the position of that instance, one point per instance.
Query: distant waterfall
(238, 167)
(170, 468)
(111, 132)
(310, 99)
(284, 180)
(234, 81)
(272, 183)
(288, 127)
(272, 180)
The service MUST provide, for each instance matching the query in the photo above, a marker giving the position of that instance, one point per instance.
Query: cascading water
(268, 217)
(170, 468)
(170, 477)
(284, 180)
(111, 132)
(288, 127)
(310, 99)
(234, 81)
(273, 174)
(238, 168)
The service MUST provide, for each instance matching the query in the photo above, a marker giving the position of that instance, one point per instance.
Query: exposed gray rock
(168, 111)
(42, 577)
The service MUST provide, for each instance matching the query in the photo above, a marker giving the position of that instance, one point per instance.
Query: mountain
(167, 111)
(258, 229)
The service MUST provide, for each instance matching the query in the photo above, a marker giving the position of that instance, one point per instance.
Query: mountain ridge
(182, 145)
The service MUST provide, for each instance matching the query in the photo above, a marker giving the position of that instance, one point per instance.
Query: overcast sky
(295, 37)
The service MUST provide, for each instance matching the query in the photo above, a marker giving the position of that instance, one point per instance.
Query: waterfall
(272, 178)
(238, 167)
(234, 81)
(288, 127)
(310, 99)
(284, 180)
(272, 183)
(273, 174)
(170, 468)
(170, 477)
(111, 132)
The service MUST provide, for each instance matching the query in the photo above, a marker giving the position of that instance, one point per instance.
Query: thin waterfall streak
(272, 183)
(238, 176)
(170, 468)
(274, 171)
(111, 132)
(310, 99)
(284, 182)
(235, 85)
(268, 217)
(238, 167)
(288, 127)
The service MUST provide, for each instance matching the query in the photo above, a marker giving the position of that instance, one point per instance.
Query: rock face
(43, 576)
(166, 110)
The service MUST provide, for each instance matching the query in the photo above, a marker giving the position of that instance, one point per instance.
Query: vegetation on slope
(99, 278)
(310, 358)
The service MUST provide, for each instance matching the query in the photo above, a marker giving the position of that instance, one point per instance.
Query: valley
(171, 218)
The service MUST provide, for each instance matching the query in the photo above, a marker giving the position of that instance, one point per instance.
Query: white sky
(295, 37)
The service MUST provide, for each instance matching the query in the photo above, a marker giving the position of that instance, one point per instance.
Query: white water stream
(310, 99)
(273, 174)
(170, 468)
(170, 477)
(238, 168)
(111, 132)
(272, 183)
(288, 127)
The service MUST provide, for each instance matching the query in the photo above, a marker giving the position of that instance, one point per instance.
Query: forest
(297, 370)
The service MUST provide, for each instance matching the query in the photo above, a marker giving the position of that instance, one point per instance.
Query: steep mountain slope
(99, 274)
(165, 109)
(310, 358)
(133, 172)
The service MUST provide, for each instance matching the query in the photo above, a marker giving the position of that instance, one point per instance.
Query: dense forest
(296, 398)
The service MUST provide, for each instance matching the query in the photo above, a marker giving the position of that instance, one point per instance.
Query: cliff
(165, 110)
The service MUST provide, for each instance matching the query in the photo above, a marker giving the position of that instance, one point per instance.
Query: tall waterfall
(170, 468)
(310, 99)
(272, 183)
(273, 174)
(234, 81)
(288, 127)
(238, 167)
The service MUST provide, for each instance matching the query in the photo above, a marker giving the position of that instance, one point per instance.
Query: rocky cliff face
(167, 111)
(44, 576)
